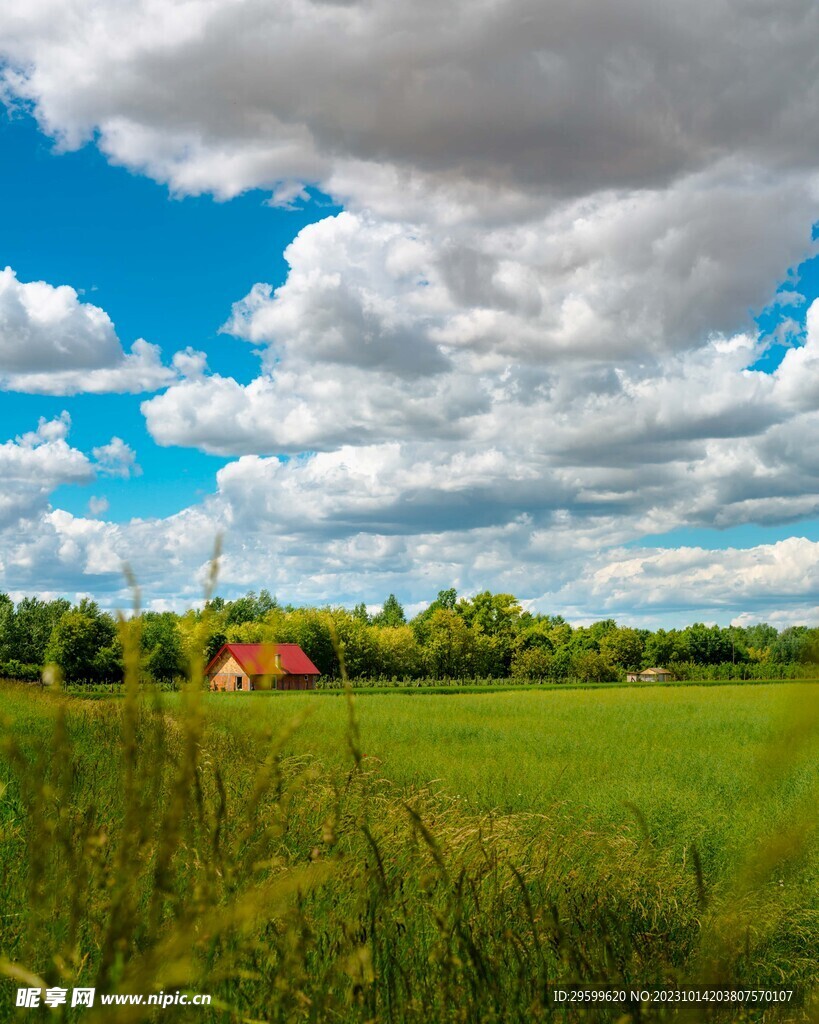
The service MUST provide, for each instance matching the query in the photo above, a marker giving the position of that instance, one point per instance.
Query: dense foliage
(488, 636)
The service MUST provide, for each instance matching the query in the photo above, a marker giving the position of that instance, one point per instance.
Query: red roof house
(261, 667)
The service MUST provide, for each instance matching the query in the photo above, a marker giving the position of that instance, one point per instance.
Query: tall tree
(391, 614)
(623, 648)
(448, 646)
(85, 645)
(8, 648)
(162, 652)
(34, 621)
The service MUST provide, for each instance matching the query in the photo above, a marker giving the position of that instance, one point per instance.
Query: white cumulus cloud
(510, 97)
(32, 466)
(527, 341)
(51, 342)
(116, 459)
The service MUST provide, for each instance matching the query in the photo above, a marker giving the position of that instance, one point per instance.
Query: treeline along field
(418, 858)
(486, 637)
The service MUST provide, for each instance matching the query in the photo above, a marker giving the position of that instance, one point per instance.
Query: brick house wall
(228, 671)
(289, 682)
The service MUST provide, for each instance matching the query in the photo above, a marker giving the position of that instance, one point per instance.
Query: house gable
(227, 673)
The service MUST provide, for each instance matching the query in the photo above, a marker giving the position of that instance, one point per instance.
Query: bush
(13, 669)
(746, 670)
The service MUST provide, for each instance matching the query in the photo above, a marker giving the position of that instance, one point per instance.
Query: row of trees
(488, 635)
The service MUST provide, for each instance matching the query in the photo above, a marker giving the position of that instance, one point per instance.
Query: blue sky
(166, 269)
(546, 322)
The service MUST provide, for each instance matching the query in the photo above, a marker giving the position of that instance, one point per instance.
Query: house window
(238, 682)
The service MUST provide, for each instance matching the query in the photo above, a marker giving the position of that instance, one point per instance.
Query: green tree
(591, 667)
(265, 603)
(532, 663)
(487, 655)
(562, 663)
(358, 644)
(623, 648)
(243, 609)
(534, 635)
(7, 652)
(759, 640)
(495, 616)
(760, 635)
(660, 649)
(360, 612)
(600, 629)
(582, 639)
(796, 644)
(162, 653)
(447, 649)
(397, 652)
(446, 600)
(391, 614)
(707, 645)
(560, 632)
(34, 621)
(215, 641)
(85, 645)
(311, 629)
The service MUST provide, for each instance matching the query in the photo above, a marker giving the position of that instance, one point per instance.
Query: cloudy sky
(501, 294)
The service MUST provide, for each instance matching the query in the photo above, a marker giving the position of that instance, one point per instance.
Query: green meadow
(413, 857)
(696, 761)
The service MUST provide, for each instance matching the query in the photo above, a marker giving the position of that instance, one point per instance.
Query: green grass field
(445, 857)
(694, 760)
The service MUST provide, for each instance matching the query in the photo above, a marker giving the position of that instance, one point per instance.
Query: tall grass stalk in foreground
(143, 850)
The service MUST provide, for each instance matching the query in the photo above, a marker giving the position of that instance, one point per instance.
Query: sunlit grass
(485, 847)
(689, 758)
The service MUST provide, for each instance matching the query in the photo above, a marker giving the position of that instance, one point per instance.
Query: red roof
(260, 659)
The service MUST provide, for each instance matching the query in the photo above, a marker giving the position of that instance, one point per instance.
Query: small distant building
(261, 667)
(649, 675)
